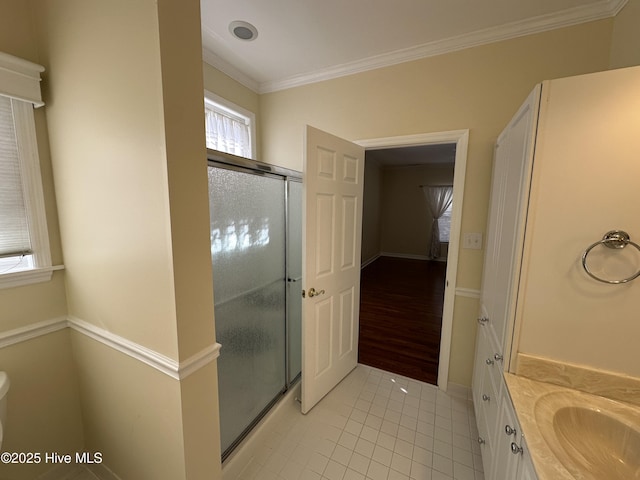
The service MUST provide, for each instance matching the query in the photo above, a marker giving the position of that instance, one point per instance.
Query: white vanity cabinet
(510, 451)
(505, 234)
(536, 293)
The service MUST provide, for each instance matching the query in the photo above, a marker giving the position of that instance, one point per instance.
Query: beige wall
(584, 184)
(405, 216)
(217, 82)
(17, 38)
(132, 413)
(43, 400)
(106, 130)
(371, 211)
(478, 88)
(124, 91)
(43, 409)
(626, 36)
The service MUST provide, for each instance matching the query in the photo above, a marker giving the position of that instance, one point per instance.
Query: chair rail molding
(168, 366)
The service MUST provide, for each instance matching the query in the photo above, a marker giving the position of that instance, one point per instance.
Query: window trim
(25, 130)
(238, 111)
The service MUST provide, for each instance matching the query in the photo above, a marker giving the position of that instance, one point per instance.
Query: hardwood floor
(401, 316)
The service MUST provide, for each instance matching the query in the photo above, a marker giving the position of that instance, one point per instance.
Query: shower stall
(256, 251)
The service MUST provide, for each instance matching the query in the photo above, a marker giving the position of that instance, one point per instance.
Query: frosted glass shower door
(248, 254)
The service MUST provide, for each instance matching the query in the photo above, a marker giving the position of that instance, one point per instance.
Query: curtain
(438, 200)
(227, 134)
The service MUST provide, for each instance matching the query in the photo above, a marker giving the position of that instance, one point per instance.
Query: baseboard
(102, 472)
(459, 391)
(405, 255)
(70, 472)
(369, 261)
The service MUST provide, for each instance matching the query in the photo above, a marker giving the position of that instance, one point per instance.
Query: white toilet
(4, 388)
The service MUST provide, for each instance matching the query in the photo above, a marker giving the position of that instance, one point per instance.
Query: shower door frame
(228, 161)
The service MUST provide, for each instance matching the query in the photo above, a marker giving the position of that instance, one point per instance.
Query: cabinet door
(508, 432)
(526, 471)
(486, 394)
(513, 160)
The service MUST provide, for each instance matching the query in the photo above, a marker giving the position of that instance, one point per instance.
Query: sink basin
(594, 438)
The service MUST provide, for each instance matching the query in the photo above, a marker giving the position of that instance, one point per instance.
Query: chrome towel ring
(613, 239)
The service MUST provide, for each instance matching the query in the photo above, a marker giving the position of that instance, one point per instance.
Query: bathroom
(127, 211)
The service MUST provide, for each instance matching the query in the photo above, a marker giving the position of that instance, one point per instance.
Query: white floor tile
(374, 426)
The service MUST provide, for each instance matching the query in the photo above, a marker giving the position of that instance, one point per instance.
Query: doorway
(459, 141)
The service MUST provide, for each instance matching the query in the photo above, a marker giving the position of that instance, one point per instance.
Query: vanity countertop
(536, 416)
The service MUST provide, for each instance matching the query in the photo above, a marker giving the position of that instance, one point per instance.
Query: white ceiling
(302, 41)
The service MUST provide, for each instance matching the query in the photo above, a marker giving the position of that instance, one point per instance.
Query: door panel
(325, 213)
(346, 321)
(349, 235)
(333, 189)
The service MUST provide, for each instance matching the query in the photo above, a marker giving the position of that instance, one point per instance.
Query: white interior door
(332, 237)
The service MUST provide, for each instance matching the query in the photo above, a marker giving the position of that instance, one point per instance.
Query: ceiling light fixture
(243, 30)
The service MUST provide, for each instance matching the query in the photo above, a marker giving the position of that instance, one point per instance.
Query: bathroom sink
(594, 438)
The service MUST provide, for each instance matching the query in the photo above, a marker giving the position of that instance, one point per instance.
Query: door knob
(314, 293)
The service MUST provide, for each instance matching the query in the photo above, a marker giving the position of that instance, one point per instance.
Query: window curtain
(227, 134)
(438, 200)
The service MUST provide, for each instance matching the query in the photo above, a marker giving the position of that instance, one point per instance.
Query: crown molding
(540, 24)
(225, 67)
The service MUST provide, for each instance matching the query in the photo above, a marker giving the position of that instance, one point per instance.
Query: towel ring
(613, 239)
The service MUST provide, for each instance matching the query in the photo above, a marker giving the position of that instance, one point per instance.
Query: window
(444, 224)
(24, 242)
(229, 128)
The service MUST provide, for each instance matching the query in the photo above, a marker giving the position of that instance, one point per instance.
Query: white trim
(20, 79)
(22, 334)
(543, 23)
(467, 292)
(156, 360)
(27, 142)
(147, 356)
(405, 255)
(461, 139)
(103, 472)
(199, 360)
(460, 391)
(27, 277)
(225, 67)
(239, 111)
(69, 472)
(166, 365)
(370, 260)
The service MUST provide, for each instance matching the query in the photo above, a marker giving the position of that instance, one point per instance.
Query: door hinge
(303, 294)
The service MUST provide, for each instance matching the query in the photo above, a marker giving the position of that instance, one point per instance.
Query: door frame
(461, 139)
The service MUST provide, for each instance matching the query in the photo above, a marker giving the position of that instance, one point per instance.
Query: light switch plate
(472, 241)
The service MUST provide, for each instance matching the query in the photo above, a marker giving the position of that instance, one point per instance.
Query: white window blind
(14, 226)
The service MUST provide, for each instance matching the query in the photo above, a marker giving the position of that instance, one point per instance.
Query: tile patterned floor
(373, 426)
